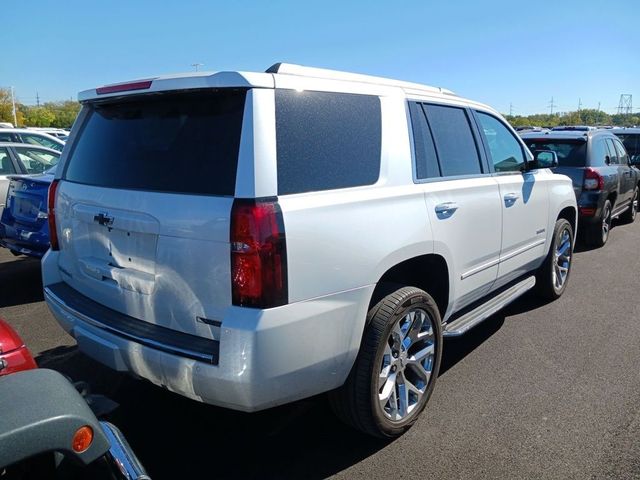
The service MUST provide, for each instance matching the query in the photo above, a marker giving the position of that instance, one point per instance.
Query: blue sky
(498, 52)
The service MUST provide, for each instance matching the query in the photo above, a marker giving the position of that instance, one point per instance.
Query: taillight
(14, 356)
(51, 204)
(258, 254)
(593, 180)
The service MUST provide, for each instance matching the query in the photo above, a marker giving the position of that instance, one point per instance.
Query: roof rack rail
(300, 70)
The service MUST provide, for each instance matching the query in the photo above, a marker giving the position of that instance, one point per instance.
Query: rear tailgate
(27, 200)
(576, 174)
(143, 207)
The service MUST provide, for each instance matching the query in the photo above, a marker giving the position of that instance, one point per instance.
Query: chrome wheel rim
(562, 261)
(606, 224)
(406, 366)
(634, 205)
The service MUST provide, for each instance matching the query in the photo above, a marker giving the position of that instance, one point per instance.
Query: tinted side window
(426, 158)
(6, 165)
(5, 137)
(505, 151)
(454, 140)
(598, 153)
(623, 158)
(326, 140)
(613, 155)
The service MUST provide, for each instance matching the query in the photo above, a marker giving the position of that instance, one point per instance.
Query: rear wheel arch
(570, 215)
(427, 272)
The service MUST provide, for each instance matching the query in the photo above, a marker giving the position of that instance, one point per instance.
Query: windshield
(571, 153)
(174, 142)
(36, 160)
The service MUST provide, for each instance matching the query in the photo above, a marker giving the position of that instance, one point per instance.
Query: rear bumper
(590, 207)
(266, 357)
(22, 240)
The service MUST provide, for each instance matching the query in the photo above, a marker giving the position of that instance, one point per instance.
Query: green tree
(6, 106)
(38, 116)
(65, 113)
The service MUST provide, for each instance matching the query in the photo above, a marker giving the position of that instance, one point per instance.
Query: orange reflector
(82, 439)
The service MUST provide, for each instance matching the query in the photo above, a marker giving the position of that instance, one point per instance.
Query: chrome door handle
(445, 210)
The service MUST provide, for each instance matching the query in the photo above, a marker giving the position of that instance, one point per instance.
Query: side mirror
(635, 160)
(543, 159)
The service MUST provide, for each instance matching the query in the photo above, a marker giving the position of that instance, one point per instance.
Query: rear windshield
(631, 142)
(570, 153)
(180, 143)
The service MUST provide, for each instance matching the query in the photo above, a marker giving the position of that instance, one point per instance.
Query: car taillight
(593, 180)
(51, 204)
(258, 254)
(14, 355)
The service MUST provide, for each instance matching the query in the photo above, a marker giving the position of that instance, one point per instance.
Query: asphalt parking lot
(537, 391)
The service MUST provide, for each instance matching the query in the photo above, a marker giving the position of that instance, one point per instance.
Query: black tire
(629, 216)
(547, 283)
(356, 403)
(597, 235)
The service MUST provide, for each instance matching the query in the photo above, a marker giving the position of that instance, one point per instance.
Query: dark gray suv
(605, 183)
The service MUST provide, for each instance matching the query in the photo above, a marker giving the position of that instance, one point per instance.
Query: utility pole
(625, 106)
(37, 98)
(551, 105)
(579, 104)
(511, 109)
(13, 102)
(197, 65)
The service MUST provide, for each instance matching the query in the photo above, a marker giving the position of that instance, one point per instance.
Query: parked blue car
(24, 227)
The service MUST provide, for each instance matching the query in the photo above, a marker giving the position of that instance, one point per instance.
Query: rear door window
(326, 140)
(454, 141)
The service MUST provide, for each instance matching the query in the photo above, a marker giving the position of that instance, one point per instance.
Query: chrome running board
(469, 320)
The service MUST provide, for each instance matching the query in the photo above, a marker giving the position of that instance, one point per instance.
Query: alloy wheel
(406, 366)
(562, 261)
(606, 223)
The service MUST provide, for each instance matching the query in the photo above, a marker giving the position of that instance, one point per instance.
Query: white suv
(250, 239)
